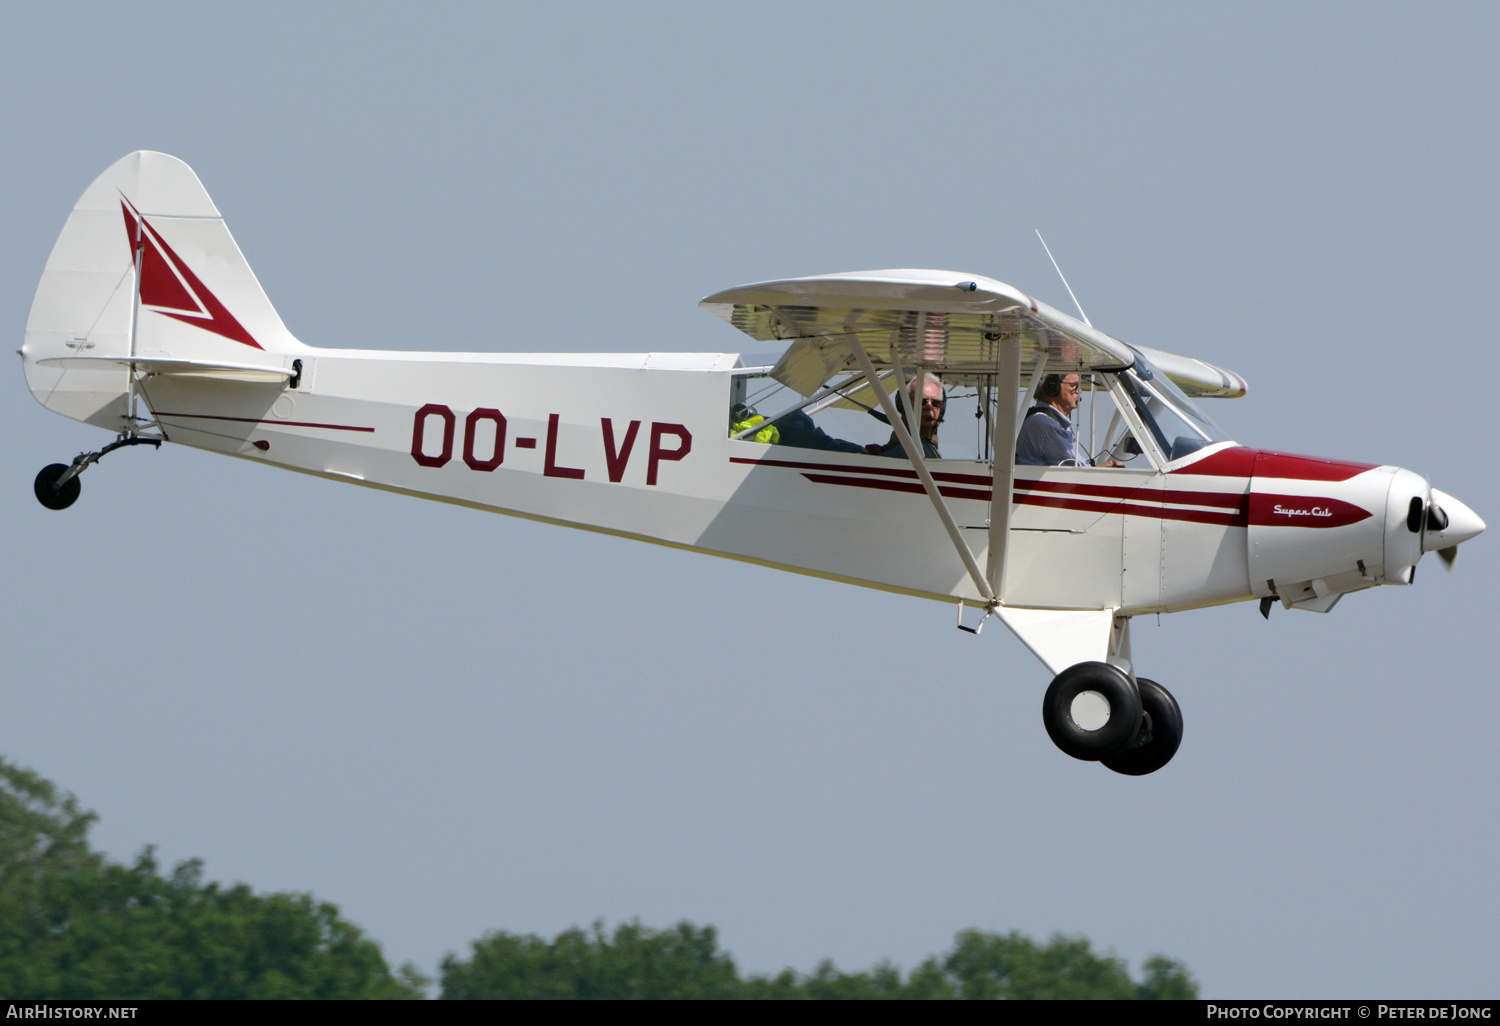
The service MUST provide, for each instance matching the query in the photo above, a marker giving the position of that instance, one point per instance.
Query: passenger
(1047, 438)
(742, 418)
(934, 404)
(796, 429)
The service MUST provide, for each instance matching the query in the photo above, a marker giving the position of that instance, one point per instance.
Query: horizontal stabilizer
(179, 368)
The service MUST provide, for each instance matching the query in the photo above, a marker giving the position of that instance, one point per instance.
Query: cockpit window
(763, 410)
(1096, 425)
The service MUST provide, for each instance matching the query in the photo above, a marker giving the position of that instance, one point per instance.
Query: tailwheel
(1092, 710)
(57, 486)
(1159, 736)
(52, 494)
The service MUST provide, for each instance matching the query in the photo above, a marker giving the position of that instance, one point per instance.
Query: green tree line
(686, 962)
(74, 925)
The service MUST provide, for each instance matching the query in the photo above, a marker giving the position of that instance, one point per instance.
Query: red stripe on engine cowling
(1242, 462)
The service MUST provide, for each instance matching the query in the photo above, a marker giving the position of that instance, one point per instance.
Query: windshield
(1178, 426)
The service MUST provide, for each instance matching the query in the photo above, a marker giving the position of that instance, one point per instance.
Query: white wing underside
(948, 323)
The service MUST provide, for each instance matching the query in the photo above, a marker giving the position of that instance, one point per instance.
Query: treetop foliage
(74, 925)
(685, 962)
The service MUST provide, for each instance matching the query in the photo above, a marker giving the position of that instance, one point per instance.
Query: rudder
(201, 307)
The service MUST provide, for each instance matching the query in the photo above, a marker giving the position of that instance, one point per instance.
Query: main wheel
(1161, 733)
(1092, 710)
(56, 498)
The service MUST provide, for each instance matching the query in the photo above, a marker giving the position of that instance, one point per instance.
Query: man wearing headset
(1047, 438)
(933, 406)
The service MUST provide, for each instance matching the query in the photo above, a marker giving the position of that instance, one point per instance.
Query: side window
(846, 415)
(763, 410)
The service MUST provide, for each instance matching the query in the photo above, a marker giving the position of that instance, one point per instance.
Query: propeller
(1449, 523)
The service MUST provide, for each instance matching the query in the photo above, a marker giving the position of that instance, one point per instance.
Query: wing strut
(914, 453)
(1007, 426)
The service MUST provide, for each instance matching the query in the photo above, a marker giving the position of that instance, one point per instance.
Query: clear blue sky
(449, 722)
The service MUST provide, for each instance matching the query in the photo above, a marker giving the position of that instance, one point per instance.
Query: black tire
(56, 498)
(1161, 733)
(1124, 711)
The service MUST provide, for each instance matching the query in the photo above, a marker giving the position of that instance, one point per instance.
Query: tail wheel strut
(57, 485)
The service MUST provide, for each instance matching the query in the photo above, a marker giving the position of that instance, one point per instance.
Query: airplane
(148, 322)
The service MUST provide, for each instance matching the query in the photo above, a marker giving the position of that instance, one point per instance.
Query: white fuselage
(637, 445)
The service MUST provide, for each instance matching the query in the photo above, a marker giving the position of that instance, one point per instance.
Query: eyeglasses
(1074, 385)
(933, 402)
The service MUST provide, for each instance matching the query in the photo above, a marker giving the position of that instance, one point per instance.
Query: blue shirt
(896, 449)
(1046, 439)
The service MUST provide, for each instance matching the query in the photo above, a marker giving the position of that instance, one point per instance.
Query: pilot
(934, 404)
(1047, 438)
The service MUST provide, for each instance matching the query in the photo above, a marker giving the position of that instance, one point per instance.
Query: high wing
(956, 325)
(952, 324)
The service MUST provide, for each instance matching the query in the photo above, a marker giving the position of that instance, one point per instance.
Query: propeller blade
(1449, 556)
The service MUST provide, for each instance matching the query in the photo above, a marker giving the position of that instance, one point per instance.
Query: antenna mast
(1064, 279)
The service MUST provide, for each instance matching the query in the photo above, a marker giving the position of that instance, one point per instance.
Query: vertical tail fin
(194, 303)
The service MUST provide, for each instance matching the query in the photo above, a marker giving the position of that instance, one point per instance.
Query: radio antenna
(1064, 279)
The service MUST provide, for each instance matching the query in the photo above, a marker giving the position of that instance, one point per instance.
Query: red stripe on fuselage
(1227, 500)
(268, 423)
(1225, 508)
(1236, 518)
(838, 468)
(899, 486)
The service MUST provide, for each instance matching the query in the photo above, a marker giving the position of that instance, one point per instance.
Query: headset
(1050, 387)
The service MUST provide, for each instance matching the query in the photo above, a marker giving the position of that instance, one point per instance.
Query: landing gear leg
(57, 486)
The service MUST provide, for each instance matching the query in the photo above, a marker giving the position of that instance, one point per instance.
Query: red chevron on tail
(169, 287)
